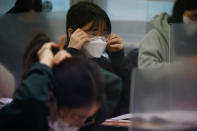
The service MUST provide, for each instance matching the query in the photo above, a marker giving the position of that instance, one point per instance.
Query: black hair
(180, 7)
(30, 53)
(77, 82)
(22, 6)
(83, 13)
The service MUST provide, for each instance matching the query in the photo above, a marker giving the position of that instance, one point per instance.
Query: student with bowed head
(58, 92)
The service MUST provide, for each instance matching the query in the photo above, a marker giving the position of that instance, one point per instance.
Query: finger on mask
(114, 46)
(60, 56)
(114, 41)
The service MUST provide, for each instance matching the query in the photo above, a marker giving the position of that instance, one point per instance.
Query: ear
(53, 110)
(52, 97)
(70, 31)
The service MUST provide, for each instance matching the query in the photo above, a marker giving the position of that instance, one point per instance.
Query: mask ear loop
(103, 38)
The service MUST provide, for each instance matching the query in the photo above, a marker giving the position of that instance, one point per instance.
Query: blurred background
(132, 15)
(129, 20)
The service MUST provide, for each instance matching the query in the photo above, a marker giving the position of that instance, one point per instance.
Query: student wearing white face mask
(88, 29)
(58, 92)
(86, 25)
(154, 49)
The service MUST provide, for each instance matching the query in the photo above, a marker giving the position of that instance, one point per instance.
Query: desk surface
(157, 126)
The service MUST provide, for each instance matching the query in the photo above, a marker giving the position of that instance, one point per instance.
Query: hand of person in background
(78, 39)
(47, 57)
(114, 43)
(61, 54)
(62, 41)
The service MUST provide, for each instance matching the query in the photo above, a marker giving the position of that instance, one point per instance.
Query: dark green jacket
(120, 65)
(30, 109)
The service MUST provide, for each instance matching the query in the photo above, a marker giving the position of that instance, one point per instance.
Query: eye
(105, 34)
(94, 33)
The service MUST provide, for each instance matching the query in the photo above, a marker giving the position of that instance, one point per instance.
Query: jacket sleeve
(31, 99)
(117, 59)
(112, 87)
(153, 51)
(74, 51)
(122, 66)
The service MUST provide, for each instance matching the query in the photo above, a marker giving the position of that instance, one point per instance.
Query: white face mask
(96, 47)
(191, 27)
(60, 125)
(188, 21)
(4, 102)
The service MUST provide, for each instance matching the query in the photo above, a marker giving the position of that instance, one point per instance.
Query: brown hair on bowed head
(30, 54)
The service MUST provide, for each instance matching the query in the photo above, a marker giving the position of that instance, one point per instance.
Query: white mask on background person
(191, 26)
(96, 47)
(5, 101)
(60, 125)
(186, 20)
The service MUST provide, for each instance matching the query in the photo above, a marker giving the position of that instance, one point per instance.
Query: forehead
(95, 25)
(81, 112)
(190, 12)
(87, 110)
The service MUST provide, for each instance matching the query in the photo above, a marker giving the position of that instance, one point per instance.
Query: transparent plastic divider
(17, 30)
